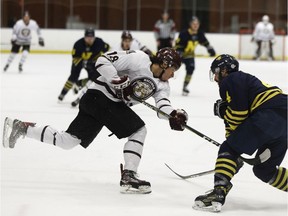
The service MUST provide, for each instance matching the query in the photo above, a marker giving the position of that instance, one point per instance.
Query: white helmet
(265, 18)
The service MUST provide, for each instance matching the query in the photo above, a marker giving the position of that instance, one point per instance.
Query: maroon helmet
(169, 57)
(126, 35)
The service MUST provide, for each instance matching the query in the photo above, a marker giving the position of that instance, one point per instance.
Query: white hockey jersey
(264, 32)
(22, 33)
(135, 45)
(135, 64)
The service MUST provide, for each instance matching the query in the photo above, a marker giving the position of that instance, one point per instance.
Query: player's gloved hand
(211, 51)
(41, 41)
(220, 107)
(122, 88)
(13, 42)
(178, 119)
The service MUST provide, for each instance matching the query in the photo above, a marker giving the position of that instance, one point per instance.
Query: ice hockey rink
(39, 179)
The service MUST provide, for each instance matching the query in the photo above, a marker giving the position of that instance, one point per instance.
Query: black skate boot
(75, 102)
(6, 67)
(214, 200)
(61, 97)
(20, 68)
(12, 130)
(185, 90)
(130, 184)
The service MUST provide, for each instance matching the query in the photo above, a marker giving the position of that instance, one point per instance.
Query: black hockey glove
(41, 42)
(220, 107)
(178, 119)
(122, 88)
(13, 42)
(211, 50)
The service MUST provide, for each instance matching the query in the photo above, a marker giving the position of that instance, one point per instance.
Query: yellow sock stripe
(68, 85)
(283, 182)
(278, 177)
(226, 166)
(224, 172)
(285, 188)
(227, 161)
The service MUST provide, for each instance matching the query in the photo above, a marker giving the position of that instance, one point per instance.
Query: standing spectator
(164, 30)
(264, 35)
(21, 37)
(186, 45)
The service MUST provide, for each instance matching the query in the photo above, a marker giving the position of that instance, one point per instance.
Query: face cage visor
(212, 74)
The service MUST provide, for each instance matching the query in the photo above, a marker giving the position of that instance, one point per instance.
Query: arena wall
(61, 41)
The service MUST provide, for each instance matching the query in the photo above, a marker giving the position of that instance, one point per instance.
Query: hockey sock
(187, 80)
(226, 167)
(49, 135)
(24, 56)
(133, 149)
(67, 86)
(280, 179)
(11, 58)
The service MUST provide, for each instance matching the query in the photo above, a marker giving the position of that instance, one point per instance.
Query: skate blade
(7, 128)
(128, 189)
(200, 206)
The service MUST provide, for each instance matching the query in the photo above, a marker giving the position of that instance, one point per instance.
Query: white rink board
(59, 40)
(42, 180)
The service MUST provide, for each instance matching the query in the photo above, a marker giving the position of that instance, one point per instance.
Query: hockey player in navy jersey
(85, 52)
(126, 77)
(255, 115)
(186, 44)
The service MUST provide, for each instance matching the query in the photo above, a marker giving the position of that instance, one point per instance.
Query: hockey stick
(192, 175)
(252, 161)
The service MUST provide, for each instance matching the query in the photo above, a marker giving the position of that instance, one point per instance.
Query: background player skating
(127, 43)
(107, 102)
(85, 52)
(164, 31)
(186, 44)
(255, 115)
(21, 37)
(264, 37)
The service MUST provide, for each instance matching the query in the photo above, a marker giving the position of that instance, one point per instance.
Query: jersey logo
(143, 88)
(25, 32)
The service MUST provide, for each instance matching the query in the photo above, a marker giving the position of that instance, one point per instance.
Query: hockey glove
(178, 119)
(122, 88)
(41, 42)
(211, 50)
(220, 107)
(13, 42)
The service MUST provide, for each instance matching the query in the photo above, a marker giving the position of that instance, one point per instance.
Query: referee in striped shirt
(164, 30)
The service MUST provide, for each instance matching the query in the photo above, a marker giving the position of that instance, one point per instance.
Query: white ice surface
(42, 180)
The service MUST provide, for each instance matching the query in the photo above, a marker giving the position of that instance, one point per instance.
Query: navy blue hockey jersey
(245, 94)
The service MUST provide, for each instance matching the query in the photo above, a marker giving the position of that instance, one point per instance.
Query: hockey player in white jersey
(127, 43)
(126, 77)
(264, 37)
(21, 37)
(130, 43)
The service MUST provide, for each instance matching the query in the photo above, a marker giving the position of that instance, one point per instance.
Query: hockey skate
(213, 200)
(75, 102)
(61, 97)
(12, 130)
(6, 67)
(130, 184)
(20, 68)
(185, 91)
